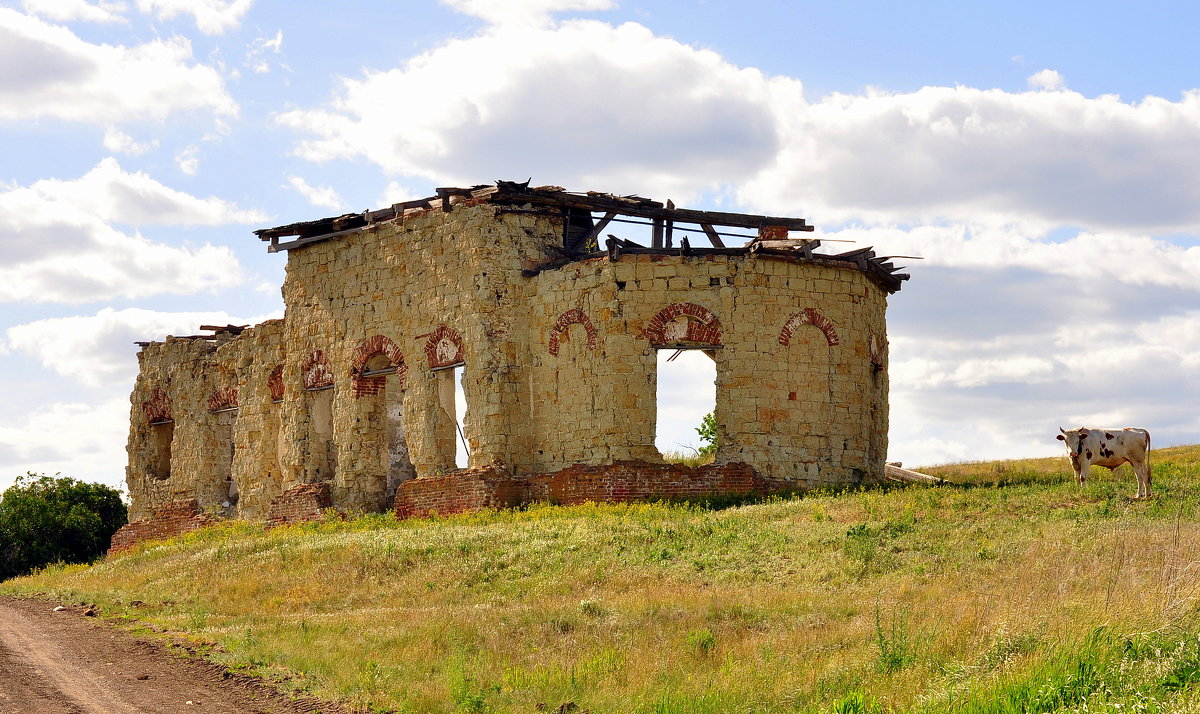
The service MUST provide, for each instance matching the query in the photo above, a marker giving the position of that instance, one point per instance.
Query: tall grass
(1012, 590)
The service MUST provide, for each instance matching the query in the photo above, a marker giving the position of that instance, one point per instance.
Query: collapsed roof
(585, 216)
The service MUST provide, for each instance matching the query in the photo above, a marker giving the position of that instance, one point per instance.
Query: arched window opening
(803, 420)
(686, 390)
(222, 464)
(446, 358)
(686, 337)
(222, 407)
(379, 381)
(321, 461)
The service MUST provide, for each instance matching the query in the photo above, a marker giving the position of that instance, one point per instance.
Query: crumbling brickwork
(557, 342)
(167, 521)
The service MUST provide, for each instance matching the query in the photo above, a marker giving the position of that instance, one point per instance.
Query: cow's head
(1074, 440)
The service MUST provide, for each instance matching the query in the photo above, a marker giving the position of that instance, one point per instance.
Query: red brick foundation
(493, 487)
(175, 518)
(306, 502)
(641, 481)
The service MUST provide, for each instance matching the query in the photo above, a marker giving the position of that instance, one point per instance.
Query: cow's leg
(1142, 469)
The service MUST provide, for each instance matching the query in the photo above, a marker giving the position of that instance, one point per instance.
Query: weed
(895, 649)
(856, 703)
(703, 641)
(591, 608)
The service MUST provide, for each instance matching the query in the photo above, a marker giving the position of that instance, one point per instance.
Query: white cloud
(1047, 79)
(187, 160)
(59, 246)
(118, 141)
(523, 12)
(623, 110)
(212, 17)
(47, 71)
(67, 10)
(106, 340)
(962, 154)
(323, 196)
(1104, 256)
(627, 111)
(116, 196)
(83, 441)
(256, 54)
(396, 192)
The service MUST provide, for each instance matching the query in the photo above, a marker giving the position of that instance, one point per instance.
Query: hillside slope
(1012, 590)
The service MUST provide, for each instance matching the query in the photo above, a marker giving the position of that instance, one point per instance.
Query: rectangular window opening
(686, 391)
(453, 401)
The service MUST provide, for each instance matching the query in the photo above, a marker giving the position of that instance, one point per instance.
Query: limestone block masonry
(347, 402)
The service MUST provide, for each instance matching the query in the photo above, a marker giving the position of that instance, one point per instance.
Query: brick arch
(809, 316)
(275, 384)
(223, 398)
(443, 347)
(315, 370)
(158, 407)
(701, 325)
(367, 349)
(560, 332)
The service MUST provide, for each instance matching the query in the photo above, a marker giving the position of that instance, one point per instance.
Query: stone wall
(350, 391)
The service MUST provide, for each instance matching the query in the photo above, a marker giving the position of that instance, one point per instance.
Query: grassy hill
(1012, 590)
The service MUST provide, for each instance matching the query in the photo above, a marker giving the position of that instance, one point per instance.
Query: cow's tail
(1147, 461)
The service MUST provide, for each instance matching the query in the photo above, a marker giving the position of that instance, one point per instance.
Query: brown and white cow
(1090, 446)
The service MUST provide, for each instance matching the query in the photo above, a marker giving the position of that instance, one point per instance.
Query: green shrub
(46, 520)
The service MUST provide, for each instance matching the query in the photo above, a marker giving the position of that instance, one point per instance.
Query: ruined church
(549, 312)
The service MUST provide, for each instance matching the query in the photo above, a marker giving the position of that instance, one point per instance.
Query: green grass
(1011, 590)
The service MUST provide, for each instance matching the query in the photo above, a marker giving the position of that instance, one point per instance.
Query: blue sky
(1041, 157)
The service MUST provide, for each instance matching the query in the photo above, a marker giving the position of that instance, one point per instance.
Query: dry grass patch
(1013, 591)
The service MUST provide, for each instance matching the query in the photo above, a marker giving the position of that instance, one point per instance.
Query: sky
(1042, 159)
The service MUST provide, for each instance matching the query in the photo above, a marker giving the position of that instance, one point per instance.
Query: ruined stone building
(553, 319)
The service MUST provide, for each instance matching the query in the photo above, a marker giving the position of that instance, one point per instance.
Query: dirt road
(67, 663)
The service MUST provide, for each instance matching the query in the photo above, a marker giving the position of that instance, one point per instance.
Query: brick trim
(316, 371)
(561, 330)
(223, 398)
(368, 348)
(809, 316)
(701, 325)
(158, 406)
(443, 347)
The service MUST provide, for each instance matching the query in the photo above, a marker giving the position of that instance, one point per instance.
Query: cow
(1090, 446)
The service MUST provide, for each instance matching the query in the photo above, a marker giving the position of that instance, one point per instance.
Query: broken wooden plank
(713, 237)
(895, 473)
(590, 237)
(652, 209)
